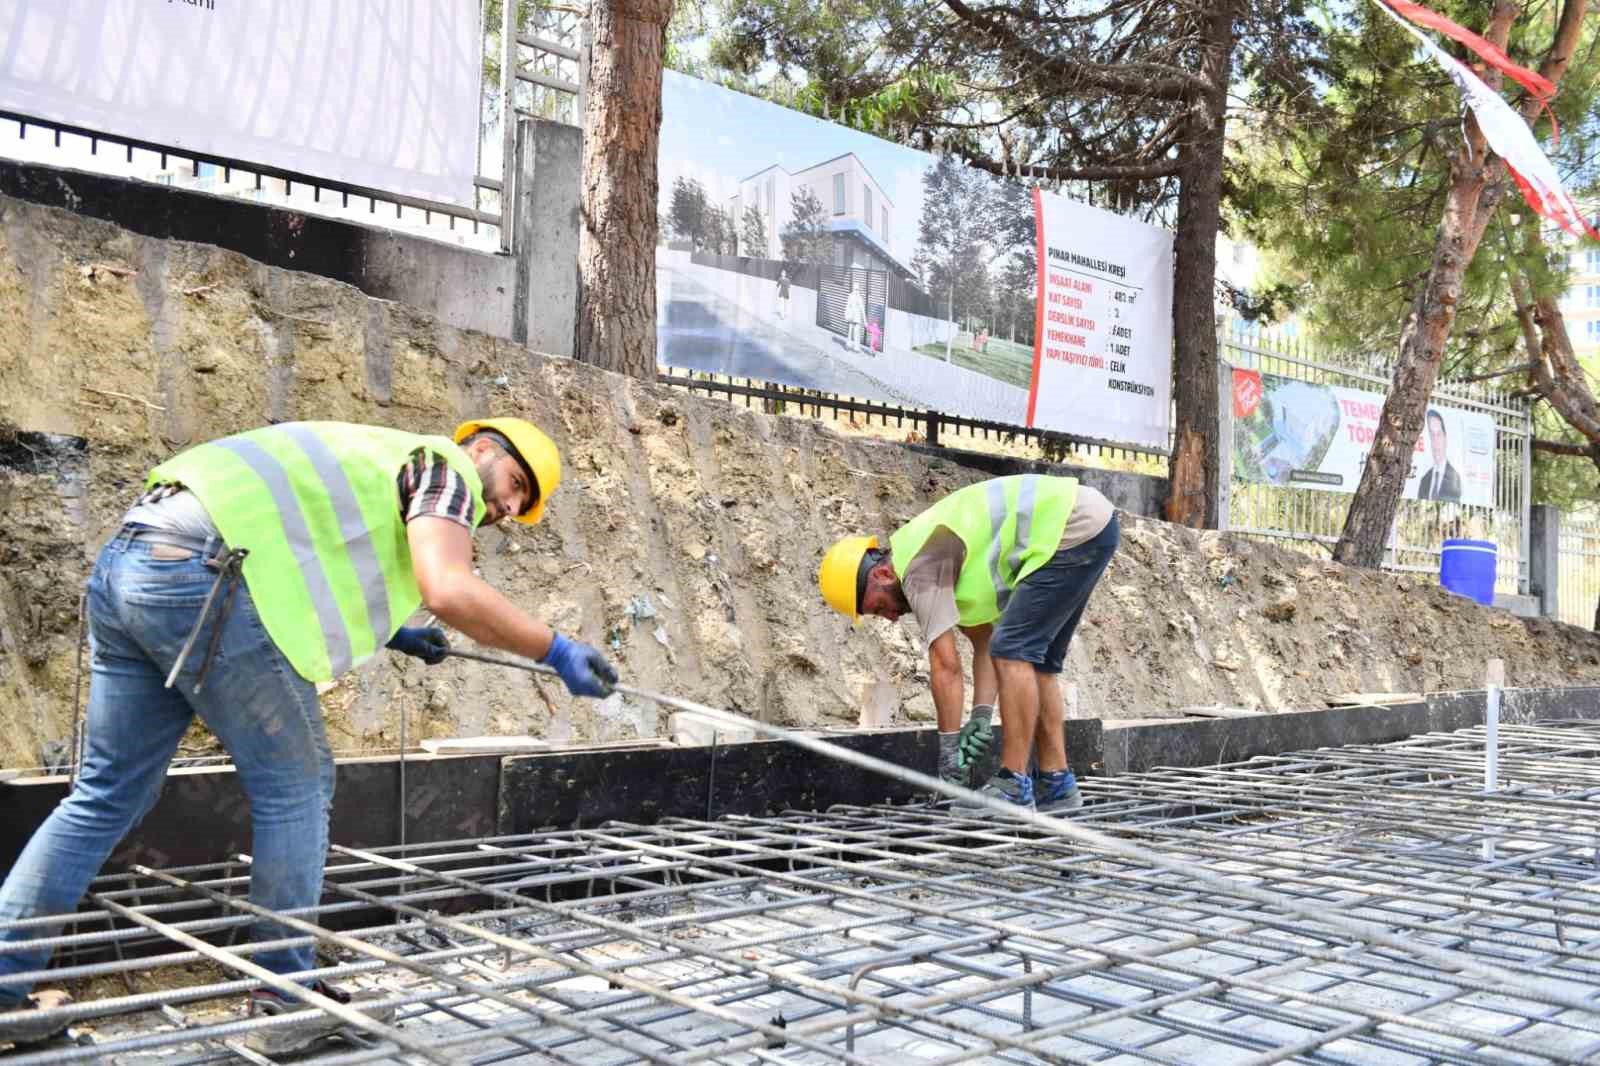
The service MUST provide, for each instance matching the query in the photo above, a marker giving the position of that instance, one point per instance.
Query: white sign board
(376, 93)
(1102, 363)
(1299, 434)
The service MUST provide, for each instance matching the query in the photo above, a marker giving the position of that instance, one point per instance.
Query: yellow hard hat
(536, 452)
(837, 577)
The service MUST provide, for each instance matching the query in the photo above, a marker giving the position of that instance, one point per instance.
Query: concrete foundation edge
(201, 815)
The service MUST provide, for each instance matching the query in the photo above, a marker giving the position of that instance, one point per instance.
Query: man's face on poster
(1436, 439)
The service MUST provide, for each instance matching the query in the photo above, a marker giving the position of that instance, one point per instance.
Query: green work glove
(976, 736)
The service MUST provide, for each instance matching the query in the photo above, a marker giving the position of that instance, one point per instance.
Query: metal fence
(540, 72)
(920, 425)
(1312, 519)
(1578, 586)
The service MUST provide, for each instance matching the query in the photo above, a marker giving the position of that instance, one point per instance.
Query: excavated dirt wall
(685, 538)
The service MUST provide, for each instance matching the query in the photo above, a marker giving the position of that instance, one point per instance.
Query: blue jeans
(140, 611)
(1044, 610)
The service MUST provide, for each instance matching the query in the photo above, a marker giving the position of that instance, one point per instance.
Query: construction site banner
(805, 253)
(1303, 435)
(1102, 346)
(383, 94)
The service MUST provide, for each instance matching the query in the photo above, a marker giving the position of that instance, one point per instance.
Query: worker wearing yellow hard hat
(250, 569)
(1009, 562)
(534, 452)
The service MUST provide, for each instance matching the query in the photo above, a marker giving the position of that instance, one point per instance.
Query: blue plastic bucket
(1466, 567)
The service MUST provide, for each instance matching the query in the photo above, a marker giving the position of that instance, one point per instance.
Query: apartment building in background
(859, 214)
(1581, 304)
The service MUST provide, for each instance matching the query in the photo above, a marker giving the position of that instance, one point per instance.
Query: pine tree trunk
(1192, 476)
(1476, 188)
(617, 236)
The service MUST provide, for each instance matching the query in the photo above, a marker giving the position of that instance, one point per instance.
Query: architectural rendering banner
(801, 252)
(1102, 348)
(1303, 435)
(382, 94)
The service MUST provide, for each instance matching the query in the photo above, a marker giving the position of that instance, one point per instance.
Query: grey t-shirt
(930, 579)
(173, 510)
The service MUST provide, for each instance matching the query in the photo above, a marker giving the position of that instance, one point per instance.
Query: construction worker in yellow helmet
(250, 569)
(1009, 562)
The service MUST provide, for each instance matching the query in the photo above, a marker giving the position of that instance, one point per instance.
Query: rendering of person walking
(855, 315)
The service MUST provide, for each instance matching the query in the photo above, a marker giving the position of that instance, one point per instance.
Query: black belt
(205, 547)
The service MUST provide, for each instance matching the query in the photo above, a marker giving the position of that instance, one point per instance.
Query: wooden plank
(483, 745)
(1372, 699)
(1217, 710)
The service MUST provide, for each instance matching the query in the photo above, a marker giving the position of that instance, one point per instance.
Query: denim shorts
(1044, 611)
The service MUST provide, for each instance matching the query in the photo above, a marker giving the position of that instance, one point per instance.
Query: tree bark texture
(616, 326)
(1422, 338)
(1192, 477)
(1478, 184)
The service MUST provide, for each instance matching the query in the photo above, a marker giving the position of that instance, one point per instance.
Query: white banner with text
(382, 94)
(1102, 363)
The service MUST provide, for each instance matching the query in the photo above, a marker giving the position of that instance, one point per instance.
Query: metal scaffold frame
(866, 934)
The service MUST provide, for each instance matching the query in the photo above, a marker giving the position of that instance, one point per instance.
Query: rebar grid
(870, 934)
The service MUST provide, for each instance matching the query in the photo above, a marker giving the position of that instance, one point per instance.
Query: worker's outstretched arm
(944, 672)
(441, 558)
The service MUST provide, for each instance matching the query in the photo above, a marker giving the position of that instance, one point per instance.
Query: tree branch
(1123, 79)
(1161, 168)
(1561, 447)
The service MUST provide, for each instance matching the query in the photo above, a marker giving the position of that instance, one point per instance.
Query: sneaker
(1005, 785)
(288, 1039)
(1057, 792)
(22, 1023)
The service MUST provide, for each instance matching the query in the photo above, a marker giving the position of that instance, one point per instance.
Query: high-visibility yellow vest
(1011, 526)
(317, 507)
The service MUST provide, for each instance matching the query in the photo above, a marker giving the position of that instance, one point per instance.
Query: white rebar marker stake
(1494, 677)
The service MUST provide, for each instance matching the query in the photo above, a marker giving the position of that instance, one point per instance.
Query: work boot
(1015, 789)
(23, 1024)
(1057, 792)
(288, 1039)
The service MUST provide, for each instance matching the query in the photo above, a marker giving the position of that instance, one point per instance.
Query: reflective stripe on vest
(317, 506)
(1010, 527)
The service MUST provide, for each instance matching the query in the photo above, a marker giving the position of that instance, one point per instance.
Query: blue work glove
(976, 736)
(426, 643)
(584, 669)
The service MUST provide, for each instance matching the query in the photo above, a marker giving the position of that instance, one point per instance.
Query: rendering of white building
(859, 213)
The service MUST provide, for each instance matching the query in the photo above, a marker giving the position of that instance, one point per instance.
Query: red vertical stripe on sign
(1038, 310)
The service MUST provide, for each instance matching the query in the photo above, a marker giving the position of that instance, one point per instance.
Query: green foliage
(687, 210)
(970, 221)
(1345, 201)
(805, 238)
(1571, 483)
(721, 234)
(528, 13)
(707, 227)
(931, 76)
(1344, 198)
(753, 233)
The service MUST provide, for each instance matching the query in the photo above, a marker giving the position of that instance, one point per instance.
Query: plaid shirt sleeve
(428, 487)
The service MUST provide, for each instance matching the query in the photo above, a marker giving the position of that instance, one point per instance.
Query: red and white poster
(1102, 350)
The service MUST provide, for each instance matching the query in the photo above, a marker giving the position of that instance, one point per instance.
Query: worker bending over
(1011, 563)
(338, 533)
